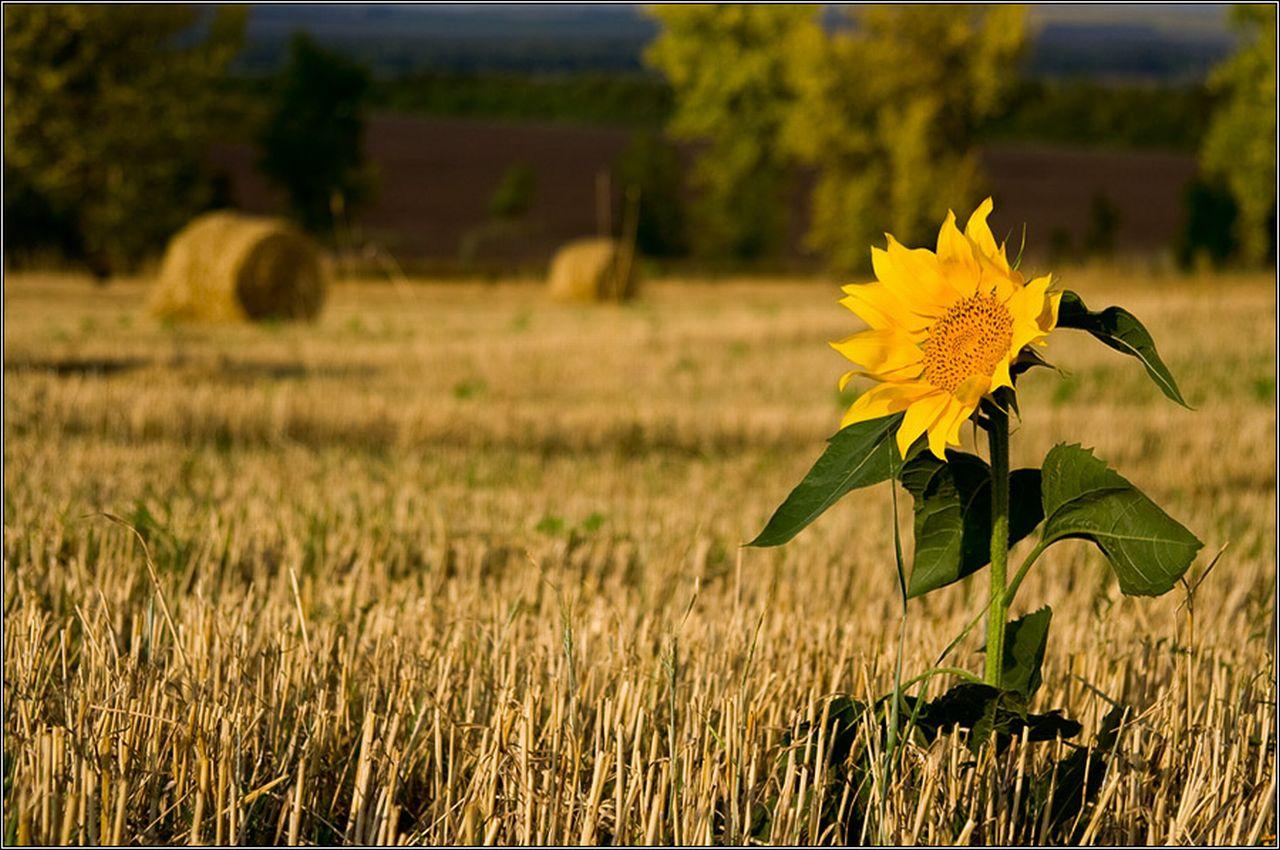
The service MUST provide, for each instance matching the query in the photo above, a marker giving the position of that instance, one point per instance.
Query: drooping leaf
(860, 455)
(983, 710)
(1119, 329)
(1025, 640)
(849, 768)
(1076, 780)
(1083, 498)
(953, 516)
(1027, 359)
(844, 714)
(1006, 398)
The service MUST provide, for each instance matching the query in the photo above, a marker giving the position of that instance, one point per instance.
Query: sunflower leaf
(860, 455)
(983, 710)
(1085, 499)
(1074, 782)
(1027, 359)
(1117, 328)
(1025, 640)
(953, 516)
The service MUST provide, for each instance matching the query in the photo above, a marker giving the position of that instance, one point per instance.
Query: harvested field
(459, 565)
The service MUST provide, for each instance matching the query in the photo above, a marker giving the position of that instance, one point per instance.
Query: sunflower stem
(998, 436)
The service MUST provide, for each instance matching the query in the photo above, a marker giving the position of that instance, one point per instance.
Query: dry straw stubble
(391, 619)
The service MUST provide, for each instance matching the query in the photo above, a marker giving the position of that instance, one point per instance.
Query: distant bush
(652, 167)
(33, 225)
(629, 99)
(313, 141)
(1209, 225)
(1087, 113)
(515, 193)
(1104, 220)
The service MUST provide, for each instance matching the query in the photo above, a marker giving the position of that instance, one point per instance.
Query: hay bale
(590, 270)
(228, 267)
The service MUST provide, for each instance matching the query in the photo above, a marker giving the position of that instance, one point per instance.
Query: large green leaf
(1025, 640)
(953, 516)
(1119, 329)
(1083, 498)
(860, 455)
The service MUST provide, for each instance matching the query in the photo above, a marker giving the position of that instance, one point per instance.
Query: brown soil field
(436, 177)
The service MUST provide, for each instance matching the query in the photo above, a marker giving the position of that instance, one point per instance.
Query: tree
(1208, 225)
(887, 111)
(727, 67)
(108, 112)
(1239, 148)
(651, 167)
(313, 143)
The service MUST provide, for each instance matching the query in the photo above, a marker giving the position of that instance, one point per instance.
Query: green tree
(313, 142)
(727, 68)
(1239, 148)
(1208, 234)
(108, 113)
(887, 112)
(652, 168)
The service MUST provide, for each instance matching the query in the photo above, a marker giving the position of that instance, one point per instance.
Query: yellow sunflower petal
(940, 435)
(953, 435)
(1034, 313)
(880, 350)
(915, 277)
(1028, 300)
(1048, 319)
(920, 416)
(905, 373)
(978, 230)
(953, 247)
(1025, 332)
(883, 400)
(1001, 377)
(880, 308)
(964, 402)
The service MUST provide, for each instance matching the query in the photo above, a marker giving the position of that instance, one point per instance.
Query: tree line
(111, 112)
(887, 111)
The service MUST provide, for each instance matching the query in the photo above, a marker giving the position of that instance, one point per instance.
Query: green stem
(1008, 600)
(895, 709)
(958, 672)
(998, 432)
(1012, 590)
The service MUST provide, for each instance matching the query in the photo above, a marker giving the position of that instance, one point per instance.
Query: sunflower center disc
(969, 340)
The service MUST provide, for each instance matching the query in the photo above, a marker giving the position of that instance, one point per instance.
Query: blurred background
(465, 139)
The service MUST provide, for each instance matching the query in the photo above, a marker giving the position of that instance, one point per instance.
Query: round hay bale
(228, 267)
(596, 269)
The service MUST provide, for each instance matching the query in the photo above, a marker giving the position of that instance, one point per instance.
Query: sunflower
(944, 329)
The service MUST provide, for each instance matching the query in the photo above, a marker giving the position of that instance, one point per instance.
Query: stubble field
(457, 565)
